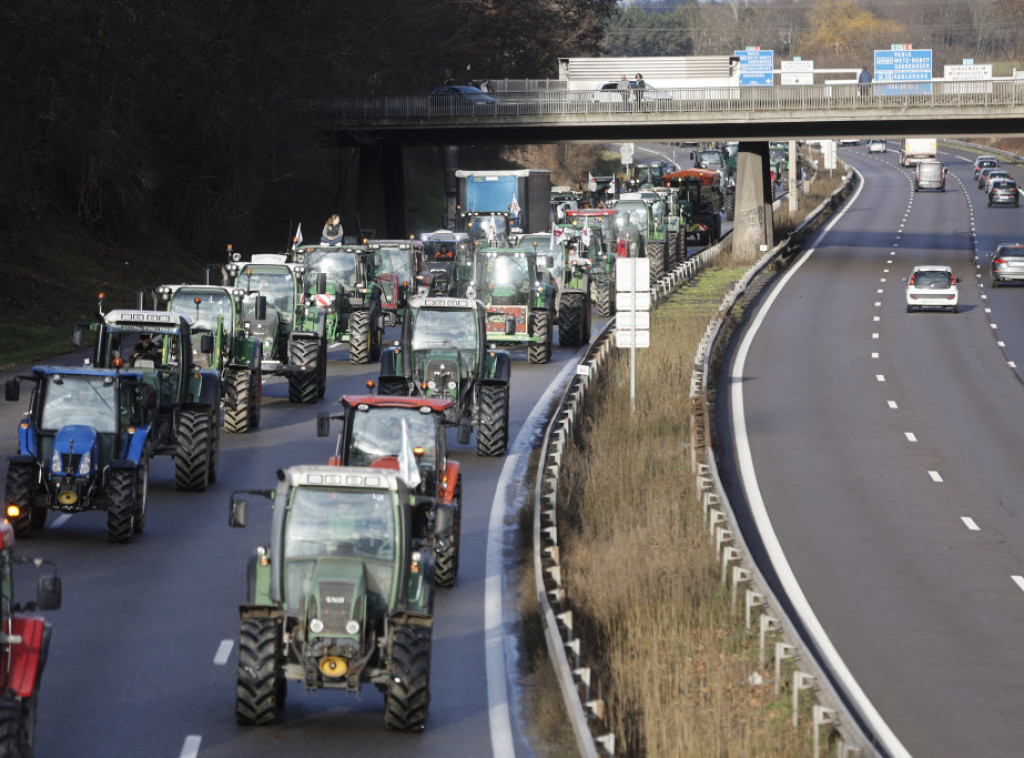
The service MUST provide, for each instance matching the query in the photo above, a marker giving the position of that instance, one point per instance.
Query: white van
(930, 175)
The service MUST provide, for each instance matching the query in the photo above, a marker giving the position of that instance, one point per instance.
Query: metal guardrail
(834, 98)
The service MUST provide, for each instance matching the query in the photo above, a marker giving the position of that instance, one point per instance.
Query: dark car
(1004, 192)
(984, 162)
(1007, 263)
(983, 175)
(460, 96)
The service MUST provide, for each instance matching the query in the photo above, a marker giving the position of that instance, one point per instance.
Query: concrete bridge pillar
(752, 226)
(380, 199)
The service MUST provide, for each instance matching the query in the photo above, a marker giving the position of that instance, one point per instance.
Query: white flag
(585, 236)
(591, 182)
(611, 186)
(408, 468)
(514, 208)
(298, 235)
(556, 235)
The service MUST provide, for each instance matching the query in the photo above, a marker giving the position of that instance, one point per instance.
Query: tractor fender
(451, 482)
(26, 657)
(22, 459)
(261, 612)
(444, 519)
(204, 387)
(137, 444)
(28, 439)
(420, 594)
(498, 368)
(390, 362)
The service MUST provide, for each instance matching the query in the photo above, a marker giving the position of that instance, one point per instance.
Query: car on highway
(876, 146)
(932, 287)
(929, 175)
(1003, 192)
(984, 161)
(984, 173)
(1007, 264)
(458, 95)
(995, 175)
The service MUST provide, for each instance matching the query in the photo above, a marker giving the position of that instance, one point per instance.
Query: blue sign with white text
(756, 67)
(900, 70)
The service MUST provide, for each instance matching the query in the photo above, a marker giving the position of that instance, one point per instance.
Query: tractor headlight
(55, 462)
(451, 385)
(432, 384)
(316, 626)
(352, 627)
(85, 465)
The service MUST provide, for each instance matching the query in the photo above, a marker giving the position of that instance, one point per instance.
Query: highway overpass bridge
(380, 127)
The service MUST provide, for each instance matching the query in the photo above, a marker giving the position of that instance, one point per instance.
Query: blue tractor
(83, 444)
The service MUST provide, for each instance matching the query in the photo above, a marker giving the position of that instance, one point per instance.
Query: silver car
(1007, 263)
(932, 287)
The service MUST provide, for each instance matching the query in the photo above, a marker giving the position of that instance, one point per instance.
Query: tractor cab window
(377, 437)
(211, 306)
(85, 400)
(341, 267)
(276, 285)
(444, 328)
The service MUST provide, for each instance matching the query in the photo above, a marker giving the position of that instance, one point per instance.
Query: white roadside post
(633, 312)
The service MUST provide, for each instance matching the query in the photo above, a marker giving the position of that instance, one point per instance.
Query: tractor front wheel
(360, 337)
(255, 392)
(446, 566)
(572, 320)
(539, 351)
(193, 455)
(605, 298)
(121, 508)
(15, 737)
(304, 386)
(20, 479)
(237, 400)
(492, 429)
(259, 678)
(408, 694)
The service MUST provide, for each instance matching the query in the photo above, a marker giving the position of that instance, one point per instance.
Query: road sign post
(633, 306)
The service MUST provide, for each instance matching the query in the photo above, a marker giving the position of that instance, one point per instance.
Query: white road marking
(970, 523)
(892, 404)
(878, 303)
(875, 356)
(911, 437)
(876, 318)
(223, 652)
(58, 522)
(874, 335)
(1018, 580)
(935, 476)
(880, 377)
(879, 291)
(191, 747)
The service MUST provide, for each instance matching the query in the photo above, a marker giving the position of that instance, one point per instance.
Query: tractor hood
(336, 600)
(74, 451)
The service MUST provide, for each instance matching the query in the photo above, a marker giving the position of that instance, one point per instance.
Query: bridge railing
(806, 97)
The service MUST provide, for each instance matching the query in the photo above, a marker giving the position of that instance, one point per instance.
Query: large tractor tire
(377, 335)
(730, 206)
(492, 429)
(20, 479)
(408, 695)
(540, 350)
(304, 386)
(446, 565)
(194, 450)
(656, 257)
(392, 385)
(260, 678)
(605, 298)
(141, 496)
(573, 323)
(15, 739)
(237, 400)
(360, 335)
(121, 509)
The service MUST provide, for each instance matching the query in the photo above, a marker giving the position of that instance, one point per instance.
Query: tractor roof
(84, 371)
(147, 319)
(340, 476)
(437, 405)
(443, 302)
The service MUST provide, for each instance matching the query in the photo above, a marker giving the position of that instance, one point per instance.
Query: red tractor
(407, 434)
(24, 644)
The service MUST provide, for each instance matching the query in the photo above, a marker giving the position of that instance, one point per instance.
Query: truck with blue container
(523, 194)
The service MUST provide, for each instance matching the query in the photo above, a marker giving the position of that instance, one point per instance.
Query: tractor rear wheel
(540, 350)
(193, 453)
(20, 478)
(605, 298)
(446, 566)
(303, 386)
(572, 320)
(391, 385)
(730, 206)
(121, 509)
(259, 675)
(408, 694)
(237, 399)
(492, 429)
(141, 496)
(656, 256)
(14, 732)
(360, 335)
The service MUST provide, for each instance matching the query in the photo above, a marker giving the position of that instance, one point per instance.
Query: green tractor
(443, 353)
(341, 597)
(601, 249)
(721, 158)
(186, 420)
(445, 264)
(486, 228)
(344, 279)
(291, 327)
(396, 270)
(699, 196)
(506, 281)
(217, 311)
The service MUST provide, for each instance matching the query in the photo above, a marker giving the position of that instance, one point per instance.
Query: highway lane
(884, 446)
(144, 652)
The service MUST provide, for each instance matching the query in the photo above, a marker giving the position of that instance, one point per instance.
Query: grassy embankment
(672, 662)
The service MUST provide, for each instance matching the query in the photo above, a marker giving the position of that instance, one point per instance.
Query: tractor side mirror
(323, 424)
(261, 307)
(321, 283)
(206, 343)
(510, 325)
(239, 513)
(76, 336)
(48, 593)
(549, 261)
(12, 390)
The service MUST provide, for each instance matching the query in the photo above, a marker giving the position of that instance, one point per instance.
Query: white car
(876, 146)
(932, 287)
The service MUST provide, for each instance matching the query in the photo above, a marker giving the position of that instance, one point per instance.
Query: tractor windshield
(339, 265)
(85, 400)
(276, 283)
(377, 437)
(632, 212)
(505, 274)
(204, 306)
(324, 522)
(434, 328)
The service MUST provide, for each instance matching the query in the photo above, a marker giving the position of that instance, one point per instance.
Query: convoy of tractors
(342, 593)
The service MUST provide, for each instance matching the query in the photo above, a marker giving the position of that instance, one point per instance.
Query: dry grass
(672, 662)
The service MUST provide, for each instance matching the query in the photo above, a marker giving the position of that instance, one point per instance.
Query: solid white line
(58, 522)
(1018, 580)
(935, 476)
(191, 747)
(763, 521)
(223, 652)
(970, 523)
(502, 741)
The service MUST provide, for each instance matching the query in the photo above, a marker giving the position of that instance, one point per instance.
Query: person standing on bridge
(624, 89)
(864, 79)
(639, 85)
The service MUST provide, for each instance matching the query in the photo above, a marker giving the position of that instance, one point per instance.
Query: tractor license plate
(496, 315)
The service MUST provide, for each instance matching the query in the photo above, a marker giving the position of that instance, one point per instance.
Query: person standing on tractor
(333, 232)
